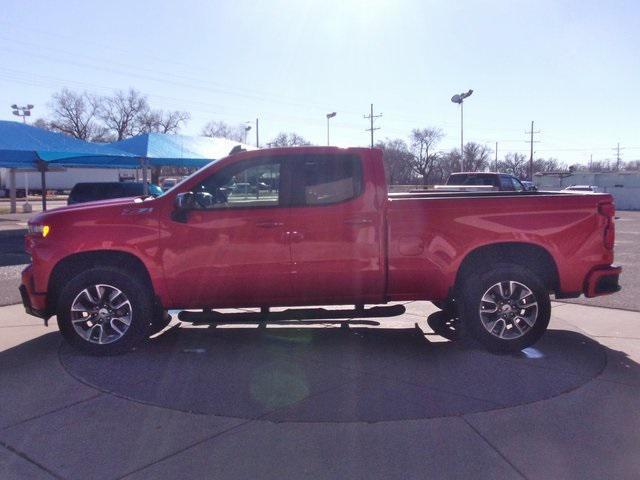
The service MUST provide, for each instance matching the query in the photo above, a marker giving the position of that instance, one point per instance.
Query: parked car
(330, 234)
(529, 186)
(89, 192)
(469, 181)
(583, 188)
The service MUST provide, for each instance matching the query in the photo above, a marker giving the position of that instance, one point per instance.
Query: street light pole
(459, 99)
(246, 131)
(329, 115)
(22, 111)
(461, 136)
(257, 136)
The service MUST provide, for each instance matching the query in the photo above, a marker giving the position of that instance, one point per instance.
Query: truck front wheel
(506, 309)
(105, 311)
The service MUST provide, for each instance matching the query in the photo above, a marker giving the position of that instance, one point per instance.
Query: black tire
(140, 310)
(516, 316)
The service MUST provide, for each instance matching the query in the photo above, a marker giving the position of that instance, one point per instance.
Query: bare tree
(445, 165)
(224, 130)
(288, 140)
(123, 112)
(546, 165)
(423, 143)
(397, 161)
(75, 114)
(43, 124)
(476, 157)
(160, 121)
(514, 163)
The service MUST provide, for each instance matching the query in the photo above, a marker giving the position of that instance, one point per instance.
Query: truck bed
(472, 194)
(430, 233)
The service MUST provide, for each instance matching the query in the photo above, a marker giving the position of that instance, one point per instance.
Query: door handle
(269, 224)
(358, 221)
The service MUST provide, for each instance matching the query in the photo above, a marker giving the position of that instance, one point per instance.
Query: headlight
(43, 230)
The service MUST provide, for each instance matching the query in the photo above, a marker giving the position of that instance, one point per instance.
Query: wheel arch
(528, 255)
(72, 265)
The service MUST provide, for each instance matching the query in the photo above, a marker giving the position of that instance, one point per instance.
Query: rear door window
(325, 179)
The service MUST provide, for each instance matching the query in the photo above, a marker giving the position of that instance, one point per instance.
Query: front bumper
(603, 281)
(35, 303)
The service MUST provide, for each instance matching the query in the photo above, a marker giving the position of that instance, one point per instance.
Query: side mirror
(182, 204)
(185, 201)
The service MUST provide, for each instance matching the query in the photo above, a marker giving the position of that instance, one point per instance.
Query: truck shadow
(314, 374)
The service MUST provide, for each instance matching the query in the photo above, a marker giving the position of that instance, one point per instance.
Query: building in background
(624, 186)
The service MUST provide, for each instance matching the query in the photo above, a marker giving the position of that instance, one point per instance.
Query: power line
(372, 117)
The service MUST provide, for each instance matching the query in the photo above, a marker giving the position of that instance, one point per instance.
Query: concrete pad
(237, 374)
(363, 349)
(33, 388)
(443, 448)
(481, 375)
(593, 432)
(564, 351)
(597, 321)
(15, 316)
(367, 399)
(623, 360)
(14, 467)
(108, 437)
(420, 309)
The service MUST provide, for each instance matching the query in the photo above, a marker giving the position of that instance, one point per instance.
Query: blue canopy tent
(24, 146)
(161, 149)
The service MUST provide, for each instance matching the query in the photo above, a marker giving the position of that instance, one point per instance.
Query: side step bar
(291, 315)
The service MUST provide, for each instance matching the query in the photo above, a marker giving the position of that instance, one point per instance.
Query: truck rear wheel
(105, 311)
(506, 309)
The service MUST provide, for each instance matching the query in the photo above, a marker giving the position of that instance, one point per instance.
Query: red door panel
(229, 258)
(335, 232)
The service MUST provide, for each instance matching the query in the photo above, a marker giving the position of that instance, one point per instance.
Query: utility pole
(532, 132)
(372, 117)
(496, 157)
(617, 150)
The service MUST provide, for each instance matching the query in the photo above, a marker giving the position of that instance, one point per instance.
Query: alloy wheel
(101, 314)
(508, 310)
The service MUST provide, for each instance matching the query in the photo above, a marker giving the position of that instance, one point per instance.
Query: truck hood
(87, 208)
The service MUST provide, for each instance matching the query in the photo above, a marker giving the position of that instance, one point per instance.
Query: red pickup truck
(315, 226)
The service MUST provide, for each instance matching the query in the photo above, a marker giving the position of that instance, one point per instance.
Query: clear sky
(572, 66)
